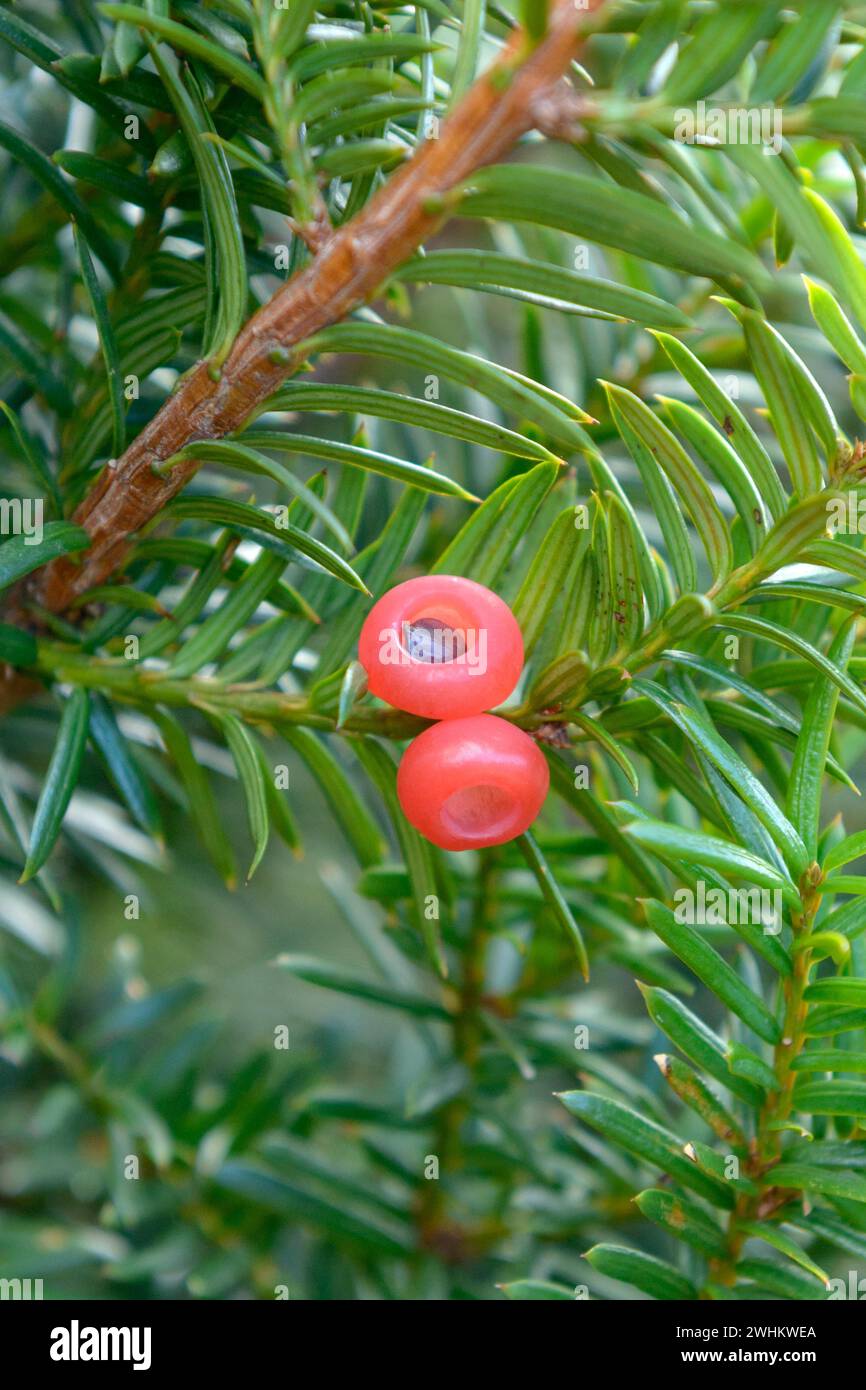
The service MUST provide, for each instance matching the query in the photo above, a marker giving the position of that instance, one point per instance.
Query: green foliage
(630, 397)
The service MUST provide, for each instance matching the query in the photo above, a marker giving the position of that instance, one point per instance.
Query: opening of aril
(480, 810)
(433, 640)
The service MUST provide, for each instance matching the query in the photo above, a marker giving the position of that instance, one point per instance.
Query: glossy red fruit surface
(442, 647)
(468, 783)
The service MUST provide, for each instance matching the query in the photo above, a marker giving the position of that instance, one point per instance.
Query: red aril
(468, 783)
(441, 647)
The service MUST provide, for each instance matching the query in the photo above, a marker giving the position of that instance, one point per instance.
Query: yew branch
(508, 100)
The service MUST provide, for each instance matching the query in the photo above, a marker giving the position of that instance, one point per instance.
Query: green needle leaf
(418, 854)
(107, 343)
(247, 761)
(60, 780)
(527, 399)
(414, 474)
(646, 1140)
(60, 189)
(21, 555)
(825, 1182)
(786, 1246)
(705, 738)
(554, 897)
(328, 976)
(203, 808)
(602, 212)
(813, 744)
(646, 1272)
(683, 1219)
(548, 286)
(123, 767)
(389, 405)
(713, 971)
(188, 41)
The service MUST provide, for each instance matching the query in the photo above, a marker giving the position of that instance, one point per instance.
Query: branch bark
(352, 264)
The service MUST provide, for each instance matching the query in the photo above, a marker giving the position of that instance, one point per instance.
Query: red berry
(441, 647)
(467, 783)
